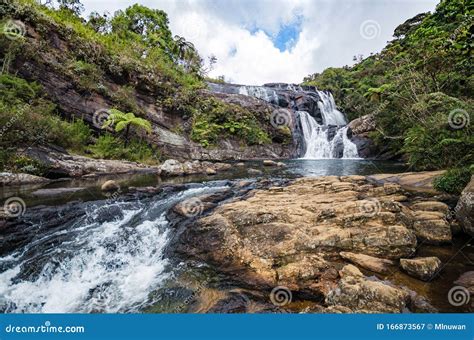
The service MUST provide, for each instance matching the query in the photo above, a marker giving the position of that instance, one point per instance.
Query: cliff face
(84, 80)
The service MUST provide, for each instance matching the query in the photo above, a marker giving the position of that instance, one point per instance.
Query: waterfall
(260, 92)
(317, 138)
(331, 115)
(326, 139)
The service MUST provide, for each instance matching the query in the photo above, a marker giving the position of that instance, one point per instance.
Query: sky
(263, 41)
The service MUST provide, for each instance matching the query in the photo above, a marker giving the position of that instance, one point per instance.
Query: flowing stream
(109, 258)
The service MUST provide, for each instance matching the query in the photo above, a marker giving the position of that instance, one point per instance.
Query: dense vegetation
(420, 88)
(116, 57)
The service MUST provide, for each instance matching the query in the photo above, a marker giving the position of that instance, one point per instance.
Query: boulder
(362, 124)
(423, 268)
(110, 185)
(371, 263)
(465, 208)
(172, 167)
(363, 295)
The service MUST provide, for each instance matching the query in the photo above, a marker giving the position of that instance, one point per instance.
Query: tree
(74, 6)
(141, 23)
(123, 121)
(99, 23)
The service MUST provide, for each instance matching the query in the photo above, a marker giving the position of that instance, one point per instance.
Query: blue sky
(261, 41)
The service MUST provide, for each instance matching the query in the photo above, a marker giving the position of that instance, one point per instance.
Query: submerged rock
(423, 268)
(268, 162)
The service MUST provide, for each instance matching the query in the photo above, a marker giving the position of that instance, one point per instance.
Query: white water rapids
(318, 143)
(92, 266)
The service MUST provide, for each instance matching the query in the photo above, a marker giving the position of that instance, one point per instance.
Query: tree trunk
(127, 130)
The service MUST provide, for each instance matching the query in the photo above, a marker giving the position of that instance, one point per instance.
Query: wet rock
(281, 164)
(423, 268)
(465, 208)
(110, 185)
(466, 280)
(363, 295)
(240, 165)
(269, 163)
(368, 262)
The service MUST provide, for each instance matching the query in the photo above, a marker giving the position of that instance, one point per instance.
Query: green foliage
(413, 85)
(110, 147)
(434, 140)
(123, 121)
(215, 119)
(453, 181)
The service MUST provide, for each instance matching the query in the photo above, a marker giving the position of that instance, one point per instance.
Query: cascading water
(89, 265)
(260, 92)
(323, 125)
(318, 142)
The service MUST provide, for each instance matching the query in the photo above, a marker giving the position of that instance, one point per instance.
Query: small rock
(423, 268)
(281, 165)
(110, 185)
(268, 162)
(240, 165)
(254, 172)
(210, 171)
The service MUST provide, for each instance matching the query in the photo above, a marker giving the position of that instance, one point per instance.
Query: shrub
(110, 147)
(453, 181)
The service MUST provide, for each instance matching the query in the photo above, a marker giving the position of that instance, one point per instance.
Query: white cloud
(234, 31)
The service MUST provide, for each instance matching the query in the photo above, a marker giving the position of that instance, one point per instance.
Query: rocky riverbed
(272, 243)
(341, 242)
